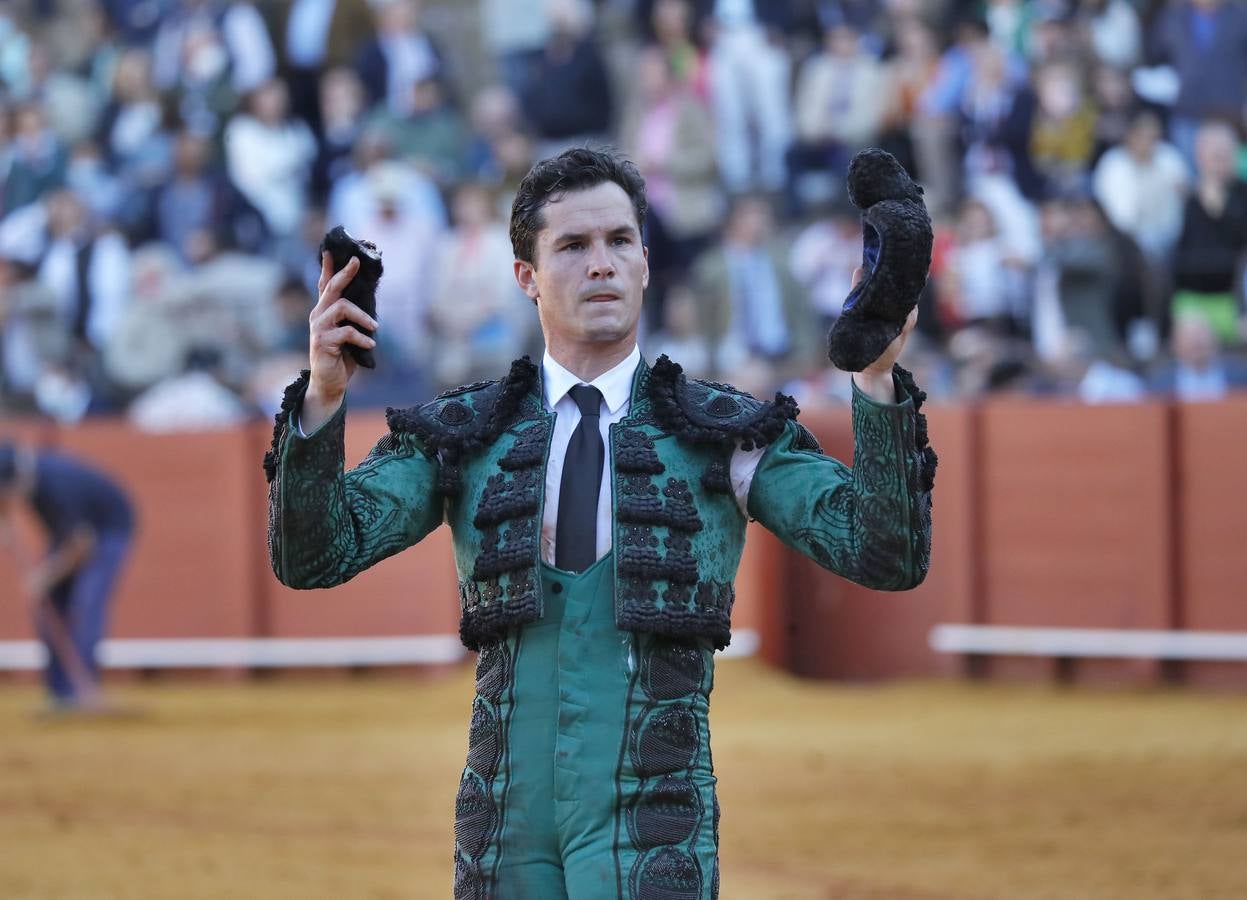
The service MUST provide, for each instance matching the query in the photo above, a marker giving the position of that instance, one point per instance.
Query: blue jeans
(82, 601)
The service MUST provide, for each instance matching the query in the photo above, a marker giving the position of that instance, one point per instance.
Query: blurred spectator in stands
(1076, 369)
(305, 46)
(294, 304)
(69, 100)
(353, 202)
(1075, 285)
(1142, 185)
(86, 266)
(836, 113)
(152, 337)
(1205, 42)
(38, 158)
(1116, 107)
(669, 133)
(33, 336)
(233, 294)
(1214, 234)
(940, 109)
(681, 336)
(514, 33)
(671, 24)
(908, 75)
(981, 283)
(430, 135)
(199, 209)
(91, 178)
(406, 240)
(1062, 132)
(754, 311)
(569, 101)
(210, 53)
(823, 257)
(478, 317)
(750, 73)
(1009, 25)
(1198, 370)
(299, 256)
(1111, 30)
(269, 156)
(1053, 35)
(136, 21)
(400, 54)
(14, 51)
(996, 114)
(341, 116)
(134, 129)
(196, 399)
(494, 118)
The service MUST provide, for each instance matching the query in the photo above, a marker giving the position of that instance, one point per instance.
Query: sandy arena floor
(335, 788)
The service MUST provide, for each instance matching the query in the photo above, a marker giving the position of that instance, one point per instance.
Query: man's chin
(608, 332)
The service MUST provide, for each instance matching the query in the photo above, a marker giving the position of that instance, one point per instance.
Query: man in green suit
(598, 510)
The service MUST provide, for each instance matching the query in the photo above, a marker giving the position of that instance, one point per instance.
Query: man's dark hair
(577, 169)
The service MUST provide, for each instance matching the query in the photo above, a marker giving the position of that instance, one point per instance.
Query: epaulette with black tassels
(465, 420)
(707, 412)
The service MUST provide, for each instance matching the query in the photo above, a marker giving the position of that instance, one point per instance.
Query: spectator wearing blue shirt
(89, 523)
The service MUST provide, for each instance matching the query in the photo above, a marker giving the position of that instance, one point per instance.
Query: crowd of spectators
(169, 167)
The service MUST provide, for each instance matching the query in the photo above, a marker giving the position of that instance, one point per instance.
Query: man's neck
(588, 362)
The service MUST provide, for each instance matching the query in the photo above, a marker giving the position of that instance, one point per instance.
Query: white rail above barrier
(1009, 640)
(252, 653)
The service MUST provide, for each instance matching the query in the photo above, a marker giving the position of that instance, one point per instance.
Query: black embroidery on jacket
(291, 397)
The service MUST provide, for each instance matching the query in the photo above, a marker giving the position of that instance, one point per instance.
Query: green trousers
(589, 772)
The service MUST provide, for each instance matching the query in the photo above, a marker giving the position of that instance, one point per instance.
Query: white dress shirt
(616, 389)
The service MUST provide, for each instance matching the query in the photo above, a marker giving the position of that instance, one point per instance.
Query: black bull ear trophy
(362, 291)
(896, 256)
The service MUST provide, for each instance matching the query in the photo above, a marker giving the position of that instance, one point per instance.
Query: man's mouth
(602, 298)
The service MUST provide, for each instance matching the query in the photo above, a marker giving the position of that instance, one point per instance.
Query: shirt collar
(615, 384)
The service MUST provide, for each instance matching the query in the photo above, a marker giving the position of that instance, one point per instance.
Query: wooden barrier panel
(837, 629)
(1212, 501)
(415, 592)
(191, 570)
(1076, 525)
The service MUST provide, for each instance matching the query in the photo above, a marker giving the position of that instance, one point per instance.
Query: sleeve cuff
(903, 397)
(296, 423)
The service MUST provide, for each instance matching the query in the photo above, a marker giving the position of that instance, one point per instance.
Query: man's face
(590, 269)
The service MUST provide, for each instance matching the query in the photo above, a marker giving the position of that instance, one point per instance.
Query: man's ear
(645, 274)
(526, 278)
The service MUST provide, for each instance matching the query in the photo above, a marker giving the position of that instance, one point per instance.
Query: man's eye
(622, 240)
(574, 245)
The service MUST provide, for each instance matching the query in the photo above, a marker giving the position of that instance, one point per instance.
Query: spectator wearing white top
(1142, 185)
(269, 157)
(749, 78)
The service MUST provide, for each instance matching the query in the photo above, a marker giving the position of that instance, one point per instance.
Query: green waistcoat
(476, 457)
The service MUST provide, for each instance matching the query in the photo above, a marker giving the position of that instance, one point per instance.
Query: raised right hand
(331, 367)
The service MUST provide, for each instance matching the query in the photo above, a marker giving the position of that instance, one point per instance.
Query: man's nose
(600, 265)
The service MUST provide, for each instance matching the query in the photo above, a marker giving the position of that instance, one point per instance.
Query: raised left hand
(876, 379)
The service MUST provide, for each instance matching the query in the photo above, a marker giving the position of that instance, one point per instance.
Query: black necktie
(575, 535)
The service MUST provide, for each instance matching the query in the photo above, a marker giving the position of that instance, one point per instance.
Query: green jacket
(476, 457)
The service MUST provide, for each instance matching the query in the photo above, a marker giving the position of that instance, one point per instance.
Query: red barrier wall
(836, 629)
(1045, 514)
(414, 592)
(1076, 527)
(1212, 507)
